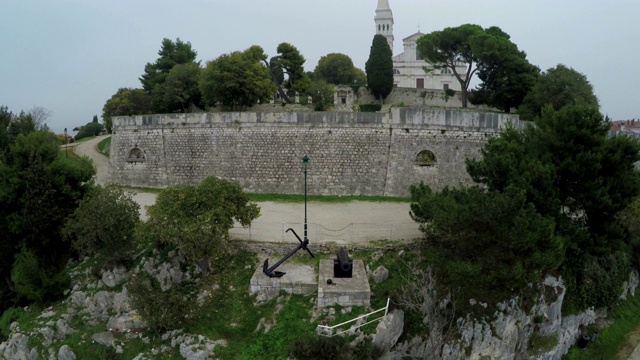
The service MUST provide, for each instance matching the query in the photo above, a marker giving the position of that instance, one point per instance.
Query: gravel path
(354, 221)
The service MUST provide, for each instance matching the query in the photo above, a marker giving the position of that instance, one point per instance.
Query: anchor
(269, 271)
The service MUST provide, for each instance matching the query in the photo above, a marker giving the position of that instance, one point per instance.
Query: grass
(103, 145)
(612, 339)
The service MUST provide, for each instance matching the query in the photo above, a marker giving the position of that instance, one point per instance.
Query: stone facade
(350, 153)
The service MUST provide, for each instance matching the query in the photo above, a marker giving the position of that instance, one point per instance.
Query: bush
(104, 224)
(90, 129)
(8, 316)
(33, 282)
(320, 348)
(370, 107)
(174, 308)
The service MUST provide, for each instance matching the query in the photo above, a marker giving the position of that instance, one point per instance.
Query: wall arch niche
(136, 155)
(425, 158)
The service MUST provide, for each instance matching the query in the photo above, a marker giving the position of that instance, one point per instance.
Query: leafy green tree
(171, 54)
(237, 80)
(449, 47)
(180, 90)
(103, 224)
(321, 95)
(558, 87)
(197, 219)
(360, 77)
(88, 130)
(485, 242)
(336, 68)
(505, 73)
(379, 68)
(95, 118)
(125, 102)
(288, 62)
(39, 188)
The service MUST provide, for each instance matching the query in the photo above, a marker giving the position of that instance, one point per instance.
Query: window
(396, 72)
(343, 99)
(425, 158)
(420, 83)
(446, 71)
(445, 86)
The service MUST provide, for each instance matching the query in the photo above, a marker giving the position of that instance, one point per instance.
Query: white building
(408, 69)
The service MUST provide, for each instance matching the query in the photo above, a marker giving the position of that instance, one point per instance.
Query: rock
(65, 353)
(125, 322)
(63, 329)
(104, 338)
(17, 347)
(121, 302)
(379, 275)
(47, 334)
(389, 330)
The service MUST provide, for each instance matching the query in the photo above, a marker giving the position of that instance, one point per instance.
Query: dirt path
(100, 162)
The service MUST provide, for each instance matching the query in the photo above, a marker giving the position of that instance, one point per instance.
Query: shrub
(104, 224)
(8, 316)
(90, 129)
(32, 281)
(370, 107)
(320, 348)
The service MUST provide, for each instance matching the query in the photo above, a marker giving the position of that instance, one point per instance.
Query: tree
(288, 62)
(88, 130)
(39, 188)
(39, 115)
(171, 54)
(505, 73)
(103, 224)
(360, 78)
(237, 80)
(379, 68)
(95, 119)
(179, 92)
(336, 69)
(485, 243)
(558, 87)
(450, 47)
(125, 102)
(197, 219)
(321, 95)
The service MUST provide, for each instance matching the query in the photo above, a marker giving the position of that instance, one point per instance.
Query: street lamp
(305, 163)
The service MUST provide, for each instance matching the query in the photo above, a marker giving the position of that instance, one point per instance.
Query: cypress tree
(379, 68)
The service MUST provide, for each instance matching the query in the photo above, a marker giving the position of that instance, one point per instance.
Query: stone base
(353, 291)
(299, 279)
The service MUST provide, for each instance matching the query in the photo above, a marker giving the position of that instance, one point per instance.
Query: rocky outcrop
(389, 330)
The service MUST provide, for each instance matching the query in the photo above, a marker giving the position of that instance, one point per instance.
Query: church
(408, 68)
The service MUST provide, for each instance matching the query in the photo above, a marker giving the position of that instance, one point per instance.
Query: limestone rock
(379, 275)
(104, 338)
(389, 330)
(125, 322)
(17, 348)
(113, 278)
(65, 353)
(63, 329)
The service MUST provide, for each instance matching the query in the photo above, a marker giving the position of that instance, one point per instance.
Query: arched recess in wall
(136, 155)
(425, 158)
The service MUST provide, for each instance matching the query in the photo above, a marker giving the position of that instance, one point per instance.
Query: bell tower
(384, 21)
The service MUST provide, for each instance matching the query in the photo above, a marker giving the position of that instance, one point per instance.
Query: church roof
(415, 36)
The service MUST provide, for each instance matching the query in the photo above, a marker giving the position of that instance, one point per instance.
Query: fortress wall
(351, 153)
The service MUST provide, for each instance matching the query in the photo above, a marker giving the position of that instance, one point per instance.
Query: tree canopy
(379, 68)
(170, 54)
(237, 80)
(336, 68)
(290, 63)
(558, 86)
(180, 90)
(197, 219)
(504, 70)
(125, 102)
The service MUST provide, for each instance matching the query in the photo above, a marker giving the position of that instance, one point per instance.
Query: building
(408, 69)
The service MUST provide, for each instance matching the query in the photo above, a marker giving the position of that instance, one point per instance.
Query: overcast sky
(70, 56)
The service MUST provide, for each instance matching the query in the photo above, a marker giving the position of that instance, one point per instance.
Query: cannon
(342, 265)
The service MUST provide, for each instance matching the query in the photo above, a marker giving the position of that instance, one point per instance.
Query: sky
(71, 56)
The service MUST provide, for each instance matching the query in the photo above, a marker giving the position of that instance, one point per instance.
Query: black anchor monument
(269, 271)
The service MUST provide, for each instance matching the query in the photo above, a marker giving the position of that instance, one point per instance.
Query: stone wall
(350, 153)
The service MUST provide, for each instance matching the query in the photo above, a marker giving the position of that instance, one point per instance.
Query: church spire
(384, 21)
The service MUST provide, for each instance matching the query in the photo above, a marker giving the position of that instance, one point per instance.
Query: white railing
(328, 330)
(354, 232)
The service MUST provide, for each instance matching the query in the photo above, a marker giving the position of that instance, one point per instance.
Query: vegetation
(506, 74)
(125, 102)
(179, 92)
(171, 53)
(237, 80)
(91, 129)
(103, 225)
(557, 87)
(197, 219)
(336, 68)
(379, 68)
(321, 94)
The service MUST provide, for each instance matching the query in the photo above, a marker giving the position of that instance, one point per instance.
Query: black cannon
(342, 265)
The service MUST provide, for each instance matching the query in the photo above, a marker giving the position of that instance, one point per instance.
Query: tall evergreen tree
(379, 68)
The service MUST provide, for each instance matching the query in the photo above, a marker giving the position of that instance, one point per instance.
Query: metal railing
(354, 232)
(328, 330)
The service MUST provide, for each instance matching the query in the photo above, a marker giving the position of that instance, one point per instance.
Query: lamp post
(305, 162)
